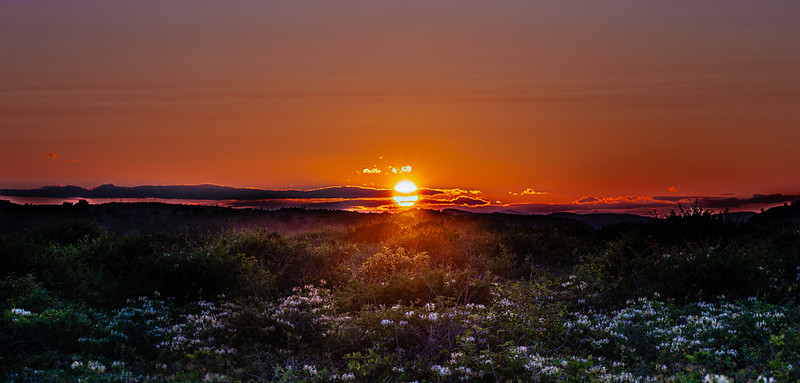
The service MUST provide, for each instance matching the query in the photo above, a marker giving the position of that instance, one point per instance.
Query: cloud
(372, 170)
(197, 192)
(375, 199)
(527, 191)
(49, 155)
(467, 201)
(388, 170)
(715, 202)
(400, 170)
(457, 201)
(448, 193)
(673, 189)
(756, 199)
(671, 198)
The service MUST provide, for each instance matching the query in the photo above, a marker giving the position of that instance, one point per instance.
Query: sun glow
(405, 187)
(405, 196)
(405, 201)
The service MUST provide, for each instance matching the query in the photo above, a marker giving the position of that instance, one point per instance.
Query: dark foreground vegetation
(417, 296)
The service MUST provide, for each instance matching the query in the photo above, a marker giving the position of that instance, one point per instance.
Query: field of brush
(416, 296)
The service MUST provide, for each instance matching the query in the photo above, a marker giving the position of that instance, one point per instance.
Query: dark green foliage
(41, 340)
(426, 291)
(688, 257)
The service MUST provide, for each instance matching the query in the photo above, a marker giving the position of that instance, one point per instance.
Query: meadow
(424, 296)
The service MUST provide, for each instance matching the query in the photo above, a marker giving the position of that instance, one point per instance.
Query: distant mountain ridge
(780, 215)
(199, 192)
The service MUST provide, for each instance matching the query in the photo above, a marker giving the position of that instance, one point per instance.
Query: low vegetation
(418, 296)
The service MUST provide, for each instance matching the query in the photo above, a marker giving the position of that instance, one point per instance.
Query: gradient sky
(567, 98)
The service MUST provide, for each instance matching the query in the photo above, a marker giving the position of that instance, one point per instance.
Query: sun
(405, 195)
(405, 187)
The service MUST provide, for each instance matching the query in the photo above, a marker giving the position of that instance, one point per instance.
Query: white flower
(96, 366)
(440, 370)
(21, 312)
(550, 370)
(386, 322)
(311, 369)
(713, 378)
(76, 364)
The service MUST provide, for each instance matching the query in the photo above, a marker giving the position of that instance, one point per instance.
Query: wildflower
(713, 378)
(96, 366)
(386, 322)
(21, 312)
(76, 364)
(550, 370)
(440, 370)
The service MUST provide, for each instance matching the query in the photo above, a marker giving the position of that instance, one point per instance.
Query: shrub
(382, 265)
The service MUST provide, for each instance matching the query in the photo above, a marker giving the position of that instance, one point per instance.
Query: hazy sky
(567, 98)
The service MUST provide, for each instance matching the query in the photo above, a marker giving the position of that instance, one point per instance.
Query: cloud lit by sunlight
(450, 193)
(385, 170)
(614, 200)
(51, 156)
(527, 191)
(372, 170)
(402, 169)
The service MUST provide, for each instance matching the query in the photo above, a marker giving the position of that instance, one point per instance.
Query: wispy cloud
(527, 191)
(372, 170)
(384, 169)
(50, 155)
(449, 193)
(198, 192)
(756, 199)
(401, 169)
(468, 201)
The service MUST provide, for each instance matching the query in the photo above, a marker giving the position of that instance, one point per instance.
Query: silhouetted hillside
(780, 215)
(201, 192)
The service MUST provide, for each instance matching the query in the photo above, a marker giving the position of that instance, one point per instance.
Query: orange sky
(570, 99)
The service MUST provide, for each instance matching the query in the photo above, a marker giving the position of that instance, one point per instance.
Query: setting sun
(405, 189)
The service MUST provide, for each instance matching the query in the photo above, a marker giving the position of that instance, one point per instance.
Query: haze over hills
(363, 198)
(149, 216)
